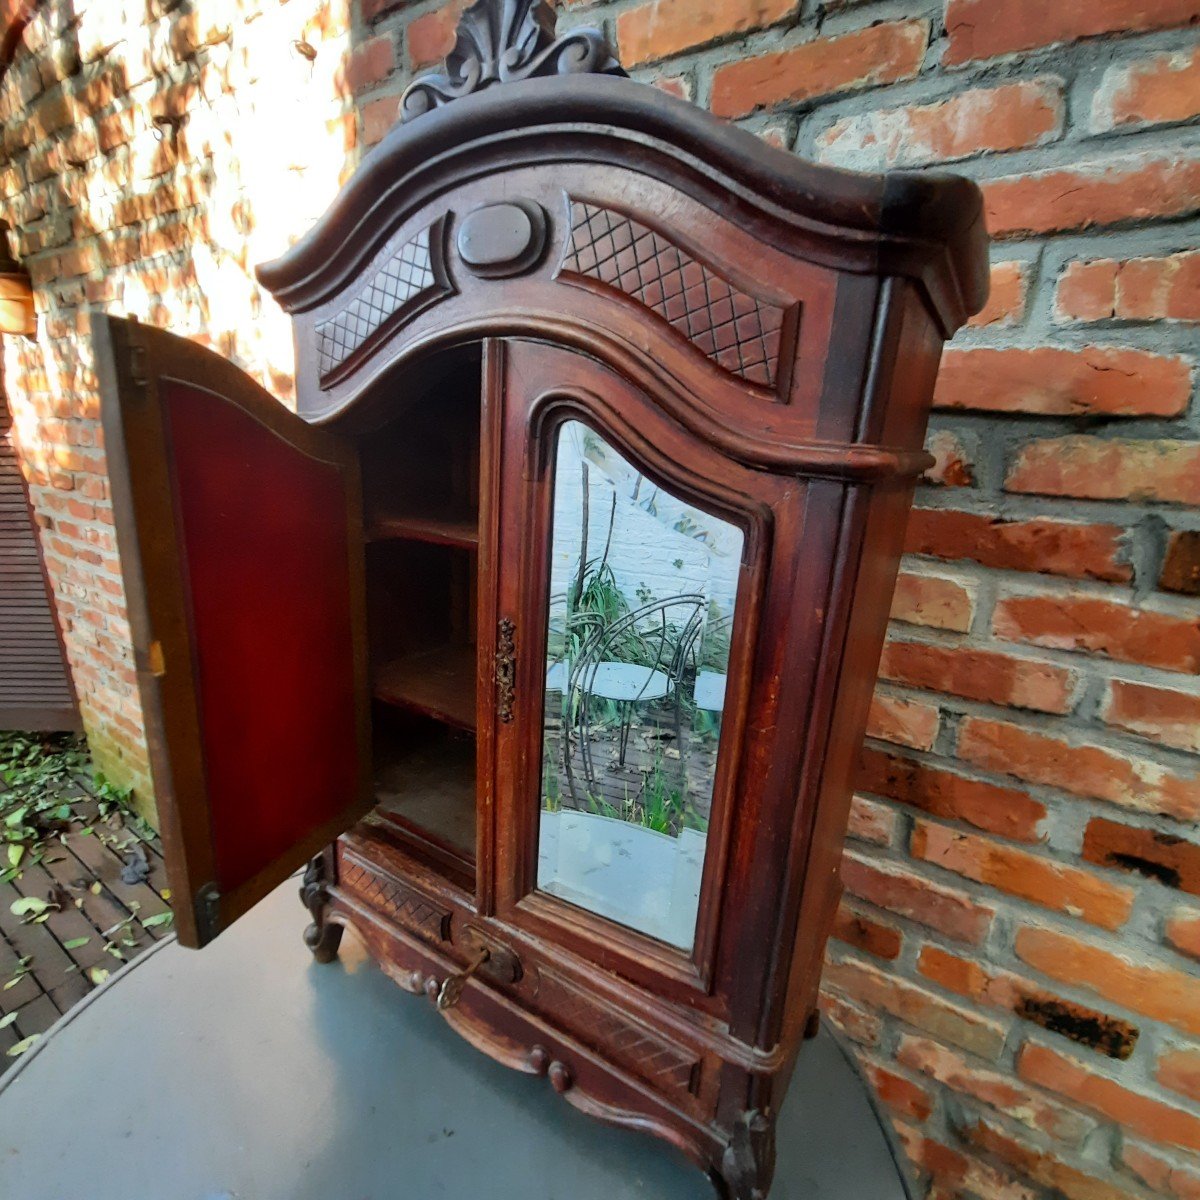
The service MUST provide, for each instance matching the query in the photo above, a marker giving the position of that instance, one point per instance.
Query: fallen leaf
(22, 1046)
(27, 905)
(75, 943)
(7, 1020)
(98, 975)
(158, 919)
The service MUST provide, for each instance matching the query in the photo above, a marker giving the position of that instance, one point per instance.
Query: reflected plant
(552, 800)
(660, 805)
(601, 807)
(714, 646)
(597, 595)
(706, 725)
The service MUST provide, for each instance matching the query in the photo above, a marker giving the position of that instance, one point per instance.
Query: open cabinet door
(240, 533)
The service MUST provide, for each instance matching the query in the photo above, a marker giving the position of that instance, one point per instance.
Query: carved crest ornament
(505, 42)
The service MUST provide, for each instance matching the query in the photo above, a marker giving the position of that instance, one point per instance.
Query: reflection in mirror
(642, 592)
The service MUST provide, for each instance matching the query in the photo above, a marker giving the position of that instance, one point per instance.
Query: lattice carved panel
(633, 1046)
(406, 907)
(409, 280)
(735, 330)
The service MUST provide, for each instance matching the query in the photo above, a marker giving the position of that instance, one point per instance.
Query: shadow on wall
(155, 153)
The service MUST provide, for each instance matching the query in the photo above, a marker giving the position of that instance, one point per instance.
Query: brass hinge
(506, 668)
(137, 363)
(207, 908)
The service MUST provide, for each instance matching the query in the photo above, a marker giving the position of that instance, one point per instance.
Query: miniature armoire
(545, 630)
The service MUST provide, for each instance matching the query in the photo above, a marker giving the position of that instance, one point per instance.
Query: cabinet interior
(420, 475)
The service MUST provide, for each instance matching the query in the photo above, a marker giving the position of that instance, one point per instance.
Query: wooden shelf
(439, 683)
(441, 531)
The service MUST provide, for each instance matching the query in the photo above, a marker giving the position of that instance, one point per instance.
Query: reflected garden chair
(641, 657)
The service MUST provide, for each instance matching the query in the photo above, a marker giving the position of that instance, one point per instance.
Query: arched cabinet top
(607, 215)
(924, 225)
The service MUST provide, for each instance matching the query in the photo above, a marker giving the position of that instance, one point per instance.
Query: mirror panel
(642, 592)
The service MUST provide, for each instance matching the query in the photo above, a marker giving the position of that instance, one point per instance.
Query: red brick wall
(1017, 955)
(151, 156)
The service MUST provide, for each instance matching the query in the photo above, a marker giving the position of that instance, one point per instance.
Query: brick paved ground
(93, 915)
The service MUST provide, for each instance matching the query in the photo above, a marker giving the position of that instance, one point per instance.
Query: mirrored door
(640, 610)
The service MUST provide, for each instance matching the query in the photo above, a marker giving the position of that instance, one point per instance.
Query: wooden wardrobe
(546, 629)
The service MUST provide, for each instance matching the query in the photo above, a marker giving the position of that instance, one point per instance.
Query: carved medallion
(502, 239)
(738, 332)
(411, 278)
(500, 41)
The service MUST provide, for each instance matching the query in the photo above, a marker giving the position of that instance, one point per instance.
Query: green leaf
(15, 853)
(22, 1046)
(75, 943)
(98, 975)
(27, 905)
(16, 816)
(12, 983)
(7, 1020)
(158, 919)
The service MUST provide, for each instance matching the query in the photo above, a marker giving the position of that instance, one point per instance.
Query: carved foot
(322, 937)
(748, 1164)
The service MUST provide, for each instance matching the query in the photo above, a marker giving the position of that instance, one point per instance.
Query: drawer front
(408, 907)
(630, 1043)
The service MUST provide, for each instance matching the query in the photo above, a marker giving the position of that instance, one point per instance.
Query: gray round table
(249, 1072)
